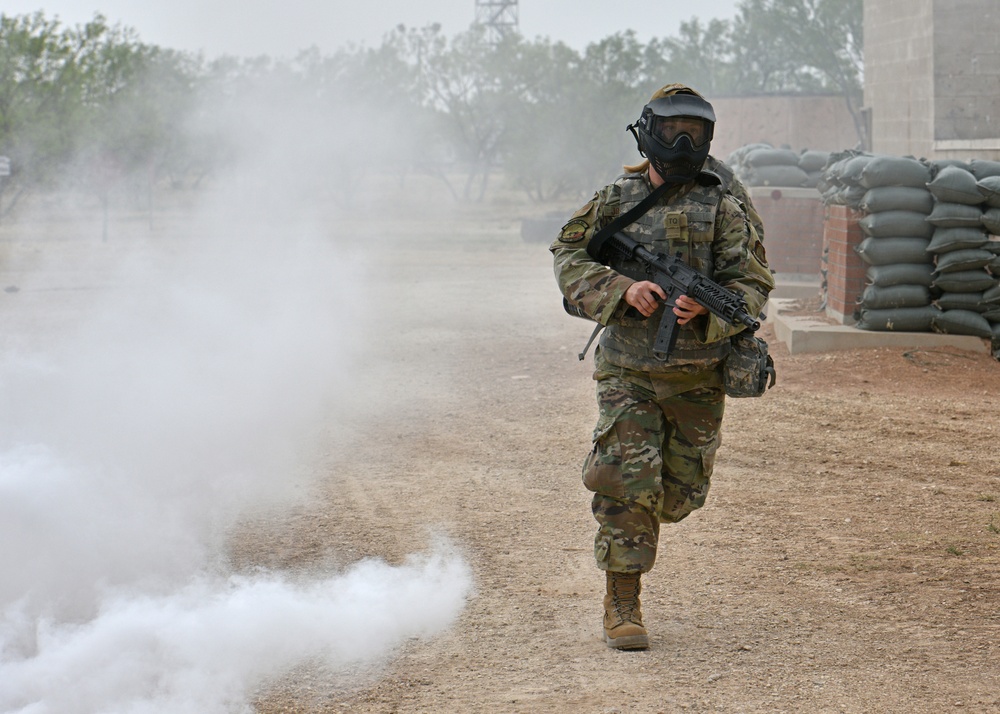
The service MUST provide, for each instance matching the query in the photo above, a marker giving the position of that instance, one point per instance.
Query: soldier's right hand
(645, 296)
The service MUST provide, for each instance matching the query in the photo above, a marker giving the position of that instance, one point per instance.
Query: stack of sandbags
(839, 184)
(900, 269)
(763, 165)
(840, 181)
(987, 174)
(958, 246)
(813, 163)
(737, 160)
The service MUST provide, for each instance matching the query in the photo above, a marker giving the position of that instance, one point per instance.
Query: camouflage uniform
(658, 429)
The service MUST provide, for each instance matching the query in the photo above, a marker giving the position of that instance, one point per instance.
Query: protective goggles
(669, 129)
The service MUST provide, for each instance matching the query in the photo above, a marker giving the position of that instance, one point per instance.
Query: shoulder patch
(759, 253)
(574, 231)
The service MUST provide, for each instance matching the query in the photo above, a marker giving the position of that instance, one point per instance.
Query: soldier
(659, 417)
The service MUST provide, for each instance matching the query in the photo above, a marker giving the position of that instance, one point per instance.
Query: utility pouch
(748, 370)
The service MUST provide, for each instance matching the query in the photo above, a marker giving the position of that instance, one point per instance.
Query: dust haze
(184, 396)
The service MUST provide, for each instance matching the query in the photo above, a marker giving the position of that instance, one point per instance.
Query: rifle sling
(596, 245)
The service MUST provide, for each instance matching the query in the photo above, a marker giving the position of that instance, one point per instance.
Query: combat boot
(623, 629)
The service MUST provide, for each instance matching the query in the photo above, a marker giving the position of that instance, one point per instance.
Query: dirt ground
(846, 560)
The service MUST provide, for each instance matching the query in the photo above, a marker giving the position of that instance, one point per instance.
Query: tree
(132, 95)
(553, 119)
(801, 46)
(89, 106)
(373, 99)
(39, 99)
(465, 82)
(562, 122)
(699, 57)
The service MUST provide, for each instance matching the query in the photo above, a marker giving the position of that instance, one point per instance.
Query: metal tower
(498, 16)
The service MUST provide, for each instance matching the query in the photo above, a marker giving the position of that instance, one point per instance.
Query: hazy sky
(282, 27)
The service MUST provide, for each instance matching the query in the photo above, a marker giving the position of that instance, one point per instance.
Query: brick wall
(793, 229)
(845, 271)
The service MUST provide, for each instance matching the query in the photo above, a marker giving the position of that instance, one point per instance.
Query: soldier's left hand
(687, 309)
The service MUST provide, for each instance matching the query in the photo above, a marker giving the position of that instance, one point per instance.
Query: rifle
(675, 277)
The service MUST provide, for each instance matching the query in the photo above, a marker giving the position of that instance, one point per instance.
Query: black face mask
(680, 159)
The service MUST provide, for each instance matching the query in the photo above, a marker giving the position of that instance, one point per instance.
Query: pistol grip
(666, 333)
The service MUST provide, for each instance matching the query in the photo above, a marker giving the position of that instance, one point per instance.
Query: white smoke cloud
(209, 646)
(177, 404)
(184, 400)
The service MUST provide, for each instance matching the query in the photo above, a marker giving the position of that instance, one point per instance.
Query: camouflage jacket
(711, 231)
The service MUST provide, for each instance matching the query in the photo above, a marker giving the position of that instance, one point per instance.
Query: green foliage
(94, 107)
(562, 103)
(39, 95)
(88, 105)
(700, 57)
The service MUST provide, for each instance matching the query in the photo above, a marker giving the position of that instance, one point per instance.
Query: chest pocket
(689, 234)
(698, 230)
(701, 226)
(675, 226)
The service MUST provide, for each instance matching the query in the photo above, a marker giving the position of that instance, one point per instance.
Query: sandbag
(876, 297)
(830, 195)
(887, 224)
(955, 215)
(772, 157)
(895, 171)
(813, 161)
(901, 274)
(813, 179)
(775, 175)
(938, 164)
(961, 301)
(901, 319)
(992, 295)
(982, 168)
(888, 251)
(964, 281)
(848, 170)
(990, 219)
(955, 185)
(851, 196)
(947, 239)
(962, 322)
(897, 198)
(992, 315)
(989, 189)
(740, 154)
(994, 266)
(967, 259)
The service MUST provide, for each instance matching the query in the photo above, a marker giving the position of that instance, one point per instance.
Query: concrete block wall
(899, 75)
(967, 70)
(845, 271)
(793, 230)
(932, 77)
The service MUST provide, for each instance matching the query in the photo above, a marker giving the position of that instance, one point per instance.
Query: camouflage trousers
(651, 462)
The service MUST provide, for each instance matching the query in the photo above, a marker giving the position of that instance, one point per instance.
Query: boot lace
(625, 596)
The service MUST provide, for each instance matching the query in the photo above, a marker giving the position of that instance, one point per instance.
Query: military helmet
(675, 132)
